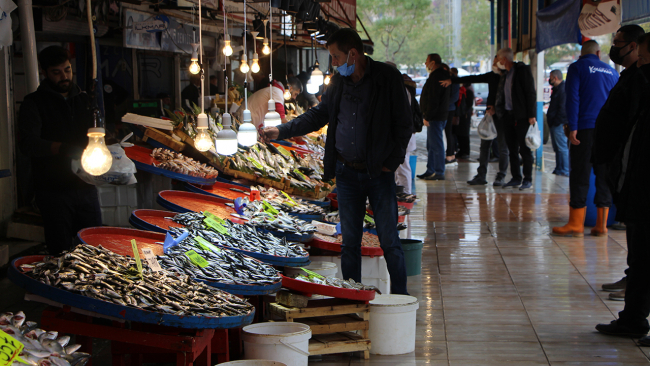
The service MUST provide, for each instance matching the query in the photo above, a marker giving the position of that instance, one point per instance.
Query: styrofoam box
(374, 271)
(117, 216)
(148, 187)
(117, 203)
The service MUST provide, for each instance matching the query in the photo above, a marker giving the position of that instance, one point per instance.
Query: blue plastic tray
(118, 311)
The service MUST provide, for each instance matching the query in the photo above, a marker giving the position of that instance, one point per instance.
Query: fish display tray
(301, 238)
(408, 205)
(336, 247)
(219, 189)
(153, 219)
(118, 240)
(309, 289)
(143, 160)
(118, 311)
(179, 201)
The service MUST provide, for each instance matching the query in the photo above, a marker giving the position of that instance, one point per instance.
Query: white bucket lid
(394, 304)
(272, 332)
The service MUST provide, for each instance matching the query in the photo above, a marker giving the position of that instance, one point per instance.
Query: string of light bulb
(247, 135)
(272, 118)
(226, 138)
(203, 140)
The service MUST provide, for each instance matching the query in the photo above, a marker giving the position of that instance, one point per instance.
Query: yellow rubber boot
(576, 225)
(601, 222)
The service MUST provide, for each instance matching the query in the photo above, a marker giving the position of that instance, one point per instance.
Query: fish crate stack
(337, 325)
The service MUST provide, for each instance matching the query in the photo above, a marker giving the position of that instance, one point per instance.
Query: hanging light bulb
(226, 138)
(328, 77)
(194, 66)
(287, 94)
(244, 65)
(227, 48)
(96, 158)
(272, 118)
(247, 135)
(266, 49)
(316, 76)
(311, 87)
(255, 67)
(203, 141)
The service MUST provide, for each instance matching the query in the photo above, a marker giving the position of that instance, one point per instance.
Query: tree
(475, 32)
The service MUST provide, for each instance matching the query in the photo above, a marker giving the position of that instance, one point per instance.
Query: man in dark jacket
(516, 105)
(632, 208)
(557, 119)
(191, 94)
(454, 95)
(370, 125)
(52, 128)
(434, 103)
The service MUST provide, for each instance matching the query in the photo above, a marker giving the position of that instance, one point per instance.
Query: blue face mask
(345, 69)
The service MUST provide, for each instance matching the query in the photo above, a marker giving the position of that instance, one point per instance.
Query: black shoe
(615, 286)
(477, 181)
(451, 162)
(512, 183)
(425, 175)
(499, 182)
(645, 341)
(464, 157)
(435, 176)
(616, 329)
(526, 185)
(493, 160)
(618, 226)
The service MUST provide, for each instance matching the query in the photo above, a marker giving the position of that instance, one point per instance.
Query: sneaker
(425, 175)
(512, 183)
(464, 157)
(617, 296)
(615, 286)
(435, 176)
(645, 341)
(499, 182)
(477, 181)
(618, 226)
(452, 162)
(616, 329)
(526, 185)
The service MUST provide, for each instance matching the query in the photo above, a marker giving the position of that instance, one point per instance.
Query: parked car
(480, 94)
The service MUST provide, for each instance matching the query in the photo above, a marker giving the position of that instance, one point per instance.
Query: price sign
(284, 152)
(216, 226)
(151, 260)
(213, 217)
(312, 274)
(206, 245)
(196, 259)
(369, 219)
(300, 174)
(291, 201)
(255, 163)
(268, 208)
(136, 255)
(10, 348)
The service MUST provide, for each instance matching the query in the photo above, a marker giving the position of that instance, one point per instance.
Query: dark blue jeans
(353, 188)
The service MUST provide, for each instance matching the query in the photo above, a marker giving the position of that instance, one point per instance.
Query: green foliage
(475, 32)
(562, 52)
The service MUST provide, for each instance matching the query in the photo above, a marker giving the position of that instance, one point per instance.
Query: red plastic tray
(157, 218)
(408, 205)
(336, 247)
(221, 190)
(118, 240)
(309, 289)
(198, 203)
(335, 202)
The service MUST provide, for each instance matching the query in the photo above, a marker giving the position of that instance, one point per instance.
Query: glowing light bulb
(266, 49)
(194, 66)
(227, 48)
(244, 65)
(255, 67)
(287, 94)
(327, 79)
(247, 135)
(311, 87)
(316, 76)
(96, 158)
(226, 138)
(203, 141)
(272, 118)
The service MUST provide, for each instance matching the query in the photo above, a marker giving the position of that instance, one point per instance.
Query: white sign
(600, 17)
(151, 259)
(153, 25)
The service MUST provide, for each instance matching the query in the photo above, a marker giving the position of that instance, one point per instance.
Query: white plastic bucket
(327, 269)
(284, 342)
(392, 324)
(252, 363)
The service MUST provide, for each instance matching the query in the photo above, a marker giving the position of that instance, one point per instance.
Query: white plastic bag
(486, 129)
(121, 172)
(533, 138)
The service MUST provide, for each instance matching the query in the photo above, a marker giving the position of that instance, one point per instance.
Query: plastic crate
(117, 203)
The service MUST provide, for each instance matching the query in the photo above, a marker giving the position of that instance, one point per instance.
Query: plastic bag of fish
(240, 236)
(337, 282)
(104, 275)
(42, 348)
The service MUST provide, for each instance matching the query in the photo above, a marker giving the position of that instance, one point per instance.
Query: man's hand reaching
(445, 83)
(269, 133)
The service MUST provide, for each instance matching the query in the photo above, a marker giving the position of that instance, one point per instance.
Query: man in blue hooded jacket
(588, 83)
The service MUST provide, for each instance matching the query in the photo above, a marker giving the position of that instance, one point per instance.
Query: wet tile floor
(496, 288)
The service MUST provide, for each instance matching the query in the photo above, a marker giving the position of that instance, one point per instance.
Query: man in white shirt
(258, 103)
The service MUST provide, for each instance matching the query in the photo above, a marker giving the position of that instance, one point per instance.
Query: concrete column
(28, 38)
(540, 108)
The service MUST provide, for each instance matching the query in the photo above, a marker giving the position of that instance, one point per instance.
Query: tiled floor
(496, 288)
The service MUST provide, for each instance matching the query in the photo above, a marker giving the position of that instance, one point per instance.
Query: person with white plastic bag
(533, 137)
(486, 129)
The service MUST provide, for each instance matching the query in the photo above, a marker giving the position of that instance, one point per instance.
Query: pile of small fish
(292, 205)
(41, 348)
(401, 210)
(337, 282)
(224, 266)
(179, 163)
(368, 221)
(367, 240)
(258, 215)
(277, 163)
(405, 197)
(104, 275)
(240, 236)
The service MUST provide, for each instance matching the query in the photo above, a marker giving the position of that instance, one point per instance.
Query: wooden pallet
(334, 324)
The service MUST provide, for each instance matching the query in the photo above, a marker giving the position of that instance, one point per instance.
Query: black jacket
(434, 100)
(616, 117)
(46, 117)
(490, 78)
(556, 114)
(524, 97)
(191, 94)
(390, 123)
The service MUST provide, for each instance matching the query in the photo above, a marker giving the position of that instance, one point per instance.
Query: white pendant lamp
(244, 68)
(227, 48)
(226, 138)
(272, 118)
(194, 65)
(266, 49)
(317, 77)
(203, 140)
(247, 135)
(311, 87)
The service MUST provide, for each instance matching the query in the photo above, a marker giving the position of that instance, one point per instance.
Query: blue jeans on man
(436, 148)
(561, 149)
(353, 187)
